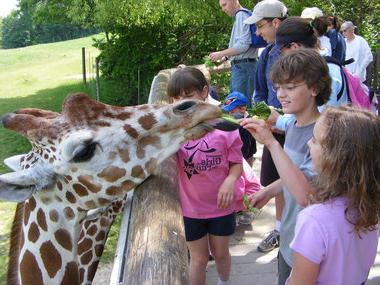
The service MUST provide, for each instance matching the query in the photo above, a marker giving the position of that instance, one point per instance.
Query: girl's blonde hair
(350, 164)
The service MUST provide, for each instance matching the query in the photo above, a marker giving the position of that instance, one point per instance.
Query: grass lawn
(39, 76)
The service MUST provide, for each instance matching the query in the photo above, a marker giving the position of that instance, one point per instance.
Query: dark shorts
(268, 173)
(220, 226)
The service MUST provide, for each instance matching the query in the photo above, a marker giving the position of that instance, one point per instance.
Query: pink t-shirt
(202, 166)
(247, 184)
(324, 236)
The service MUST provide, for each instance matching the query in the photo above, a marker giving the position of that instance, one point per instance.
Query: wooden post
(84, 64)
(157, 252)
(97, 79)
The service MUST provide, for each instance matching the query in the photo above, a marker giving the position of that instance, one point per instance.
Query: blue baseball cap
(233, 100)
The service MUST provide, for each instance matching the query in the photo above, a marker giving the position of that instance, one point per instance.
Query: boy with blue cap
(236, 105)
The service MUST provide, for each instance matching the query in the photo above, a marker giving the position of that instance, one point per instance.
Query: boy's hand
(272, 119)
(259, 130)
(259, 199)
(226, 193)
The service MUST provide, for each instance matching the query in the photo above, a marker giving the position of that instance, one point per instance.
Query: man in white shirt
(358, 49)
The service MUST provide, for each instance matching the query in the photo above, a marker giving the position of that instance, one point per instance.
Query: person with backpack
(268, 15)
(338, 45)
(242, 54)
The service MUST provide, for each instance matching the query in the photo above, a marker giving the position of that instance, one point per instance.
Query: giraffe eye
(85, 152)
(184, 106)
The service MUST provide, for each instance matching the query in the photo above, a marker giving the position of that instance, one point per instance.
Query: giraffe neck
(48, 251)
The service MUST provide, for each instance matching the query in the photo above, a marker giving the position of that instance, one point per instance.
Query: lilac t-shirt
(203, 165)
(324, 236)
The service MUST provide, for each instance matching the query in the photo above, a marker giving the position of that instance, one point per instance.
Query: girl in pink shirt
(208, 170)
(336, 238)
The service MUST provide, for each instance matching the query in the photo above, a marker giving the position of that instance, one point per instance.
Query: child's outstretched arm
(227, 189)
(290, 175)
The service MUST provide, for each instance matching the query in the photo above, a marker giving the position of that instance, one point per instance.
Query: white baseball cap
(311, 13)
(267, 9)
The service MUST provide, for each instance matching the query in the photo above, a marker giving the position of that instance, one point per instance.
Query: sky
(6, 6)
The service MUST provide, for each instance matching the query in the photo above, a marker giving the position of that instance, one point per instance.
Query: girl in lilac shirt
(336, 238)
(208, 170)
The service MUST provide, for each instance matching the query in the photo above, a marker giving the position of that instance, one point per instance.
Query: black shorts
(219, 226)
(268, 173)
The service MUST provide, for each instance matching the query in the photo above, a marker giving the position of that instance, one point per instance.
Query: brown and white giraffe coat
(86, 158)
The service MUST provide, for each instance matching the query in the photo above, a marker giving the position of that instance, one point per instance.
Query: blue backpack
(256, 41)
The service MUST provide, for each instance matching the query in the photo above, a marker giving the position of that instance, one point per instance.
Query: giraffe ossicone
(82, 160)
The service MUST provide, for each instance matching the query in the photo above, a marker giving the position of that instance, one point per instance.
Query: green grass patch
(6, 213)
(42, 76)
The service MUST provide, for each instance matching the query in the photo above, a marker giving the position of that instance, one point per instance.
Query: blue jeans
(243, 79)
(283, 269)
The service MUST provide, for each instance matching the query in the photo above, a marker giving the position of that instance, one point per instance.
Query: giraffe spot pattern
(147, 121)
(92, 230)
(69, 213)
(114, 190)
(128, 184)
(90, 204)
(138, 172)
(71, 275)
(80, 190)
(151, 165)
(100, 236)
(70, 197)
(84, 246)
(92, 270)
(64, 239)
(86, 180)
(103, 202)
(112, 173)
(51, 258)
(41, 219)
(145, 141)
(131, 131)
(104, 222)
(99, 250)
(29, 270)
(124, 155)
(86, 258)
(53, 215)
(32, 204)
(59, 185)
(27, 212)
(81, 275)
(33, 233)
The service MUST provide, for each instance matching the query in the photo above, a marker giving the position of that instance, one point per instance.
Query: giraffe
(83, 160)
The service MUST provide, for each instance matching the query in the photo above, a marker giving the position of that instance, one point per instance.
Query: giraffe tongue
(223, 125)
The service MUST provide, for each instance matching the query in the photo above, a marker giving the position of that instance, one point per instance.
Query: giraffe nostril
(184, 106)
(4, 119)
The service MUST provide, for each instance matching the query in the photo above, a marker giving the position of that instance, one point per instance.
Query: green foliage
(357, 11)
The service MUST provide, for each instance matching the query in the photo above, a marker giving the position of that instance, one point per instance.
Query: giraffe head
(82, 159)
(101, 147)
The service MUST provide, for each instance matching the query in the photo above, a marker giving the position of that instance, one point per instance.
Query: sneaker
(246, 218)
(270, 242)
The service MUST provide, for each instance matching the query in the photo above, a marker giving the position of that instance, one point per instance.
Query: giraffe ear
(14, 162)
(15, 187)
